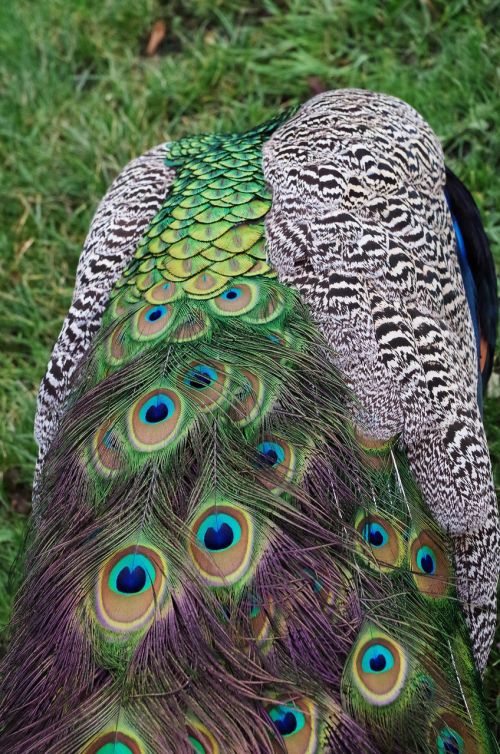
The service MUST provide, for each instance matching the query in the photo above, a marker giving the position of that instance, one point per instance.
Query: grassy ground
(80, 98)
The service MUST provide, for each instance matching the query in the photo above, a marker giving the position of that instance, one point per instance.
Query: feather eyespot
(154, 420)
(268, 311)
(122, 305)
(248, 399)
(130, 587)
(378, 666)
(163, 293)
(106, 453)
(379, 539)
(221, 544)
(277, 459)
(118, 307)
(115, 345)
(376, 453)
(452, 735)
(204, 383)
(144, 281)
(200, 738)
(325, 594)
(296, 725)
(449, 741)
(430, 565)
(193, 327)
(238, 299)
(151, 321)
(114, 742)
(276, 339)
(261, 616)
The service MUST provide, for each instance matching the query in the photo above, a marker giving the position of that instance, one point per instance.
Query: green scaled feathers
(224, 564)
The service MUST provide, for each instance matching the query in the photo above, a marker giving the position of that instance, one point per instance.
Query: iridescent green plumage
(251, 578)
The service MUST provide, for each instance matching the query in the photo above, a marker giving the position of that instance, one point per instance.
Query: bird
(263, 512)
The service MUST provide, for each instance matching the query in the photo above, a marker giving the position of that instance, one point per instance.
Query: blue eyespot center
(426, 560)
(133, 574)
(286, 724)
(377, 659)
(375, 534)
(270, 453)
(131, 581)
(270, 456)
(200, 377)
(157, 413)
(156, 313)
(287, 720)
(218, 532)
(450, 742)
(232, 294)
(377, 663)
(157, 409)
(451, 745)
(218, 539)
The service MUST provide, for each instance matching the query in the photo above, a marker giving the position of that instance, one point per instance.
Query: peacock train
(264, 520)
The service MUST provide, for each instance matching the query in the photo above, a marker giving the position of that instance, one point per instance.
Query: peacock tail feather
(222, 561)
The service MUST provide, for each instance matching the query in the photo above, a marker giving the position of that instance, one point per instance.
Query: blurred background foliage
(86, 85)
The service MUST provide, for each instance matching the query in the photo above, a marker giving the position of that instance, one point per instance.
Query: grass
(79, 99)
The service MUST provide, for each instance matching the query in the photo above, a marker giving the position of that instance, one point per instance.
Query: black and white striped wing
(121, 218)
(360, 225)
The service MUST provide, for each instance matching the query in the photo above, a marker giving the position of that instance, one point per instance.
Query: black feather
(480, 259)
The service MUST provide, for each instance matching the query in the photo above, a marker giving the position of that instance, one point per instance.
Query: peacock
(263, 515)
